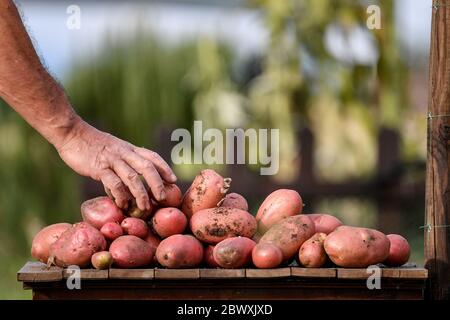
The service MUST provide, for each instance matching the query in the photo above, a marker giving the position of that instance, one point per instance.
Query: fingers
(131, 179)
(148, 170)
(161, 166)
(118, 190)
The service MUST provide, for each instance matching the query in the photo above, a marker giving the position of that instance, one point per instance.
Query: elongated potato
(169, 221)
(235, 252)
(206, 191)
(101, 210)
(278, 205)
(235, 200)
(131, 252)
(312, 253)
(325, 223)
(216, 224)
(266, 256)
(399, 251)
(180, 251)
(289, 234)
(40, 247)
(77, 245)
(353, 247)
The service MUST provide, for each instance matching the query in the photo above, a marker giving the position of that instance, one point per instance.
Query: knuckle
(133, 177)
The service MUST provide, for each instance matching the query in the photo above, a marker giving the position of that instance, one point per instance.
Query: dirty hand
(117, 164)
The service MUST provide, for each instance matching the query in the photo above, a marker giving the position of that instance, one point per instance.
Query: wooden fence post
(437, 219)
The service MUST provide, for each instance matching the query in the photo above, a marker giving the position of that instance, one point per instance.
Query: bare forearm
(25, 84)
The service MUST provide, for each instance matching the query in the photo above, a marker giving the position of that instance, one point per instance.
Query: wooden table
(407, 282)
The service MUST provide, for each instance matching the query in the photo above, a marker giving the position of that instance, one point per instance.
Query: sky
(59, 47)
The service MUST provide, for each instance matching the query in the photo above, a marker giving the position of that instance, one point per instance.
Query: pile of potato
(208, 227)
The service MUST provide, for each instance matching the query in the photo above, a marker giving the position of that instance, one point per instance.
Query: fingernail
(173, 177)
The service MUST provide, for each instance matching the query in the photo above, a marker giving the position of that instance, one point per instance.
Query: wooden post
(437, 220)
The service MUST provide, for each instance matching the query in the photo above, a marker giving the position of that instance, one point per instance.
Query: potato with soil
(266, 256)
(289, 234)
(131, 252)
(135, 227)
(102, 260)
(235, 252)
(101, 210)
(174, 196)
(399, 251)
(353, 247)
(216, 224)
(180, 251)
(278, 205)
(235, 200)
(169, 221)
(77, 245)
(325, 223)
(207, 190)
(111, 231)
(40, 247)
(312, 253)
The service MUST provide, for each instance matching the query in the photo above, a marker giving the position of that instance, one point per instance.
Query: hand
(117, 164)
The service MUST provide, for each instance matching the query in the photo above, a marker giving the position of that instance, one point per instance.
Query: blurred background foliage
(310, 75)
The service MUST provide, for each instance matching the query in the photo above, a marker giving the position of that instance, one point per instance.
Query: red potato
(135, 227)
(102, 260)
(289, 234)
(278, 205)
(266, 256)
(40, 247)
(353, 247)
(235, 252)
(174, 196)
(235, 200)
(180, 251)
(209, 257)
(312, 253)
(101, 210)
(111, 231)
(131, 252)
(77, 245)
(325, 223)
(153, 240)
(399, 251)
(216, 224)
(169, 221)
(207, 190)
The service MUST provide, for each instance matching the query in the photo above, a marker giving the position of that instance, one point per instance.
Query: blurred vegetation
(141, 83)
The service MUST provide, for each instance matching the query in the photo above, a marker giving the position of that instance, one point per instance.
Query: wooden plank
(343, 273)
(414, 273)
(437, 198)
(88, 274)
(268, 273)
(313, 272)
(221, 273)
(132, 274)
(177, 274)
(39, 272)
